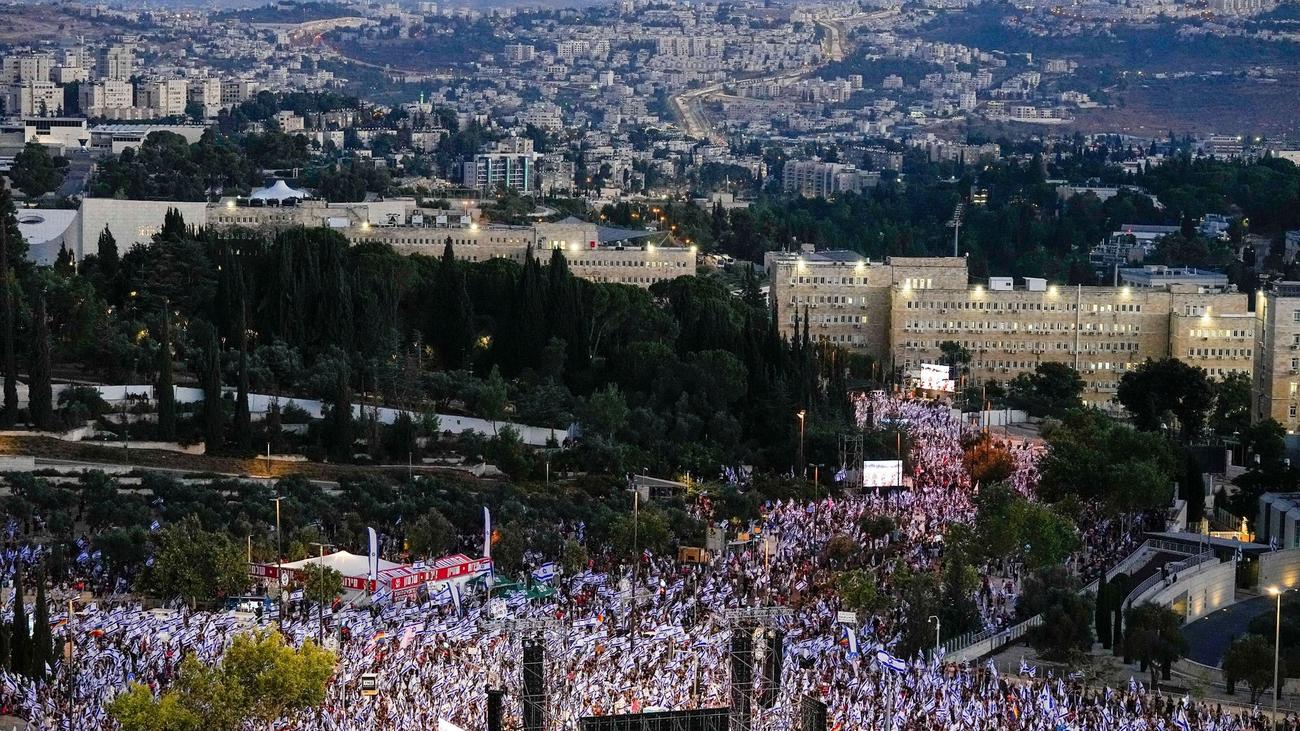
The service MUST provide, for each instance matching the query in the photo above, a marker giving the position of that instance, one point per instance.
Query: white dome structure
(278, 192)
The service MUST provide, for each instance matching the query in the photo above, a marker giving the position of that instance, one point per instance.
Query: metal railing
(1169, 570)
(964, 642)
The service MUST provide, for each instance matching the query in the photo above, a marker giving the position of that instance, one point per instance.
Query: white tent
(347, 564)
(280, 191)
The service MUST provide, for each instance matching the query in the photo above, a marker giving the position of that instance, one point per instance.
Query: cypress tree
(210, 378)
(40, 398)
(341, 434)
(173, 228)
(163, 390)
(42, 652)
(106, 253)
(19, 644)
(243, 419)
(63, 263)
(8, 307)
(529, 336)
(451, 324)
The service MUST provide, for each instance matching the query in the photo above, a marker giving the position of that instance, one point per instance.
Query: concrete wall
(1280, 568)
(1207, 588)
(132, 222)
(536, 436)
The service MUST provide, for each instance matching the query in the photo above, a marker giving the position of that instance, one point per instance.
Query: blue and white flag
(487, 532)
(374, 553)
(546, 572)
(890, 662)
(154, 526)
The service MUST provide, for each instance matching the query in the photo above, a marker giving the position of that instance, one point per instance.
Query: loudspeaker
(772, 663)
(494, 708)
(534, 695)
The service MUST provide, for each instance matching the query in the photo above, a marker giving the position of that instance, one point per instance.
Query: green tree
(194, 564)
(1154, 636)
(605, 412)
(648, 532)
(1249, 660)
(341, 437)
(209, 374)
(1050, 390)
(107, 254)
(260, 679)
(860, 591)
(20, 643)
(42, 651)
(954, 355)
(451, 322)
(11, 251)
(164, 388)
(1167, 393)
(431, 535)
(1231, 413)
(35, 171)
(40, 399)
(1066, 631)
(573, 559)
(321, 584)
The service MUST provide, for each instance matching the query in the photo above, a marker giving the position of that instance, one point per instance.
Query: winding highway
(689, 104)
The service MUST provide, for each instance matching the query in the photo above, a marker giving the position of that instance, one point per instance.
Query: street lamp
(279, 564)
(801, 416)
(1277, 645)
(934, 618)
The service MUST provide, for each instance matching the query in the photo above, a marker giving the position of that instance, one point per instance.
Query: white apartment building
(27, 67)
(165, 98)
(34, 99)
(103, 98)
(509, 164)
(206, 91)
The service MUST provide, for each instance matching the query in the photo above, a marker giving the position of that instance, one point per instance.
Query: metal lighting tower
(955, 224)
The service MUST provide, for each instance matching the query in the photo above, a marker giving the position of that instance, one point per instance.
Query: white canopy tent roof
(347, 564)
(280, 191)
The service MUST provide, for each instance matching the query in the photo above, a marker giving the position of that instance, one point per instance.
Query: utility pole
(802, 416)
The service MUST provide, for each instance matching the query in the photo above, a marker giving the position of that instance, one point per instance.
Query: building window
(1291, 411)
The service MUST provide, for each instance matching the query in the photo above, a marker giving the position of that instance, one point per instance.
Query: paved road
(1209, 636)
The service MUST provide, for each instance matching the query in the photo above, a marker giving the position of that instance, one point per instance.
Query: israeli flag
(374, 553)
(154, 526)
(1181, 721)
(852, 637)
(546, 572)
(890, 662)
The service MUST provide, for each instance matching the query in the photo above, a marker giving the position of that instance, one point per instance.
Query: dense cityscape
(649, 365)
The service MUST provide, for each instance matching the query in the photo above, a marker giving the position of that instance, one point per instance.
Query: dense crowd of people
(622, 639)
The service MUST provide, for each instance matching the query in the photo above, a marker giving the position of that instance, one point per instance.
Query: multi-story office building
(116, 62)
(508, 165)
(1276, 387)
(900, 311)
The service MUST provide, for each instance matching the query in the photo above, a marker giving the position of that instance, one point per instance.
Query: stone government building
(900, 310)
